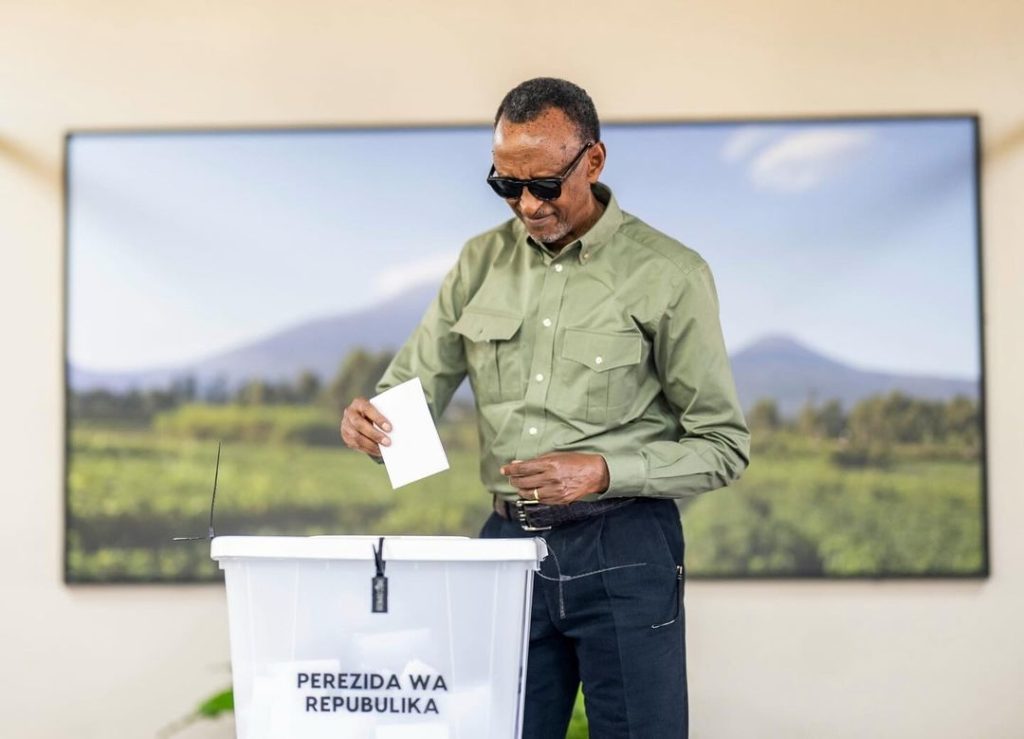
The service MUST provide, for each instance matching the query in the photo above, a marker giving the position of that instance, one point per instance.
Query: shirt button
(598, 360)
(533, 430)
(547, 323)
(540, 378)
(558, 268)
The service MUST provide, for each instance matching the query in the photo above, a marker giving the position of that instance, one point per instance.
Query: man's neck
(596, 211)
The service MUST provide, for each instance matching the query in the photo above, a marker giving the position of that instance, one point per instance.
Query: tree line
(357, 375)
(874, 428)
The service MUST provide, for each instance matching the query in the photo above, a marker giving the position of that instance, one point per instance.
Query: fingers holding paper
(364, 428)
(558, 478)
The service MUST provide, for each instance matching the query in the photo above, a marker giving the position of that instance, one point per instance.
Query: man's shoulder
(658, 249)
(502, 236)
(481, 252)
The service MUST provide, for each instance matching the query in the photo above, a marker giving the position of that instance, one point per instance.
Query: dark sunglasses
(542, 188)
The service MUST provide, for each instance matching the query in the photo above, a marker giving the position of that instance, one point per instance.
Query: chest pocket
(495, 365)
(602, 377)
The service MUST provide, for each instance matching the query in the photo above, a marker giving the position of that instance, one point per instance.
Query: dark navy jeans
(607, 612)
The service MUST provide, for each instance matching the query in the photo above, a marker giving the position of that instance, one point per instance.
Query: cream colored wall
(858, 659)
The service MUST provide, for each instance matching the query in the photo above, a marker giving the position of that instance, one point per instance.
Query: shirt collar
(598, 235)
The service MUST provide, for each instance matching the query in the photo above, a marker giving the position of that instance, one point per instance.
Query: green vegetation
(217, 705)
(798, 512)
(893, 487)
(578, 728)
(284, 424)
(130, 492)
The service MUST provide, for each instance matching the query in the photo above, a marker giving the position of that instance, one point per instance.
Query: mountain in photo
(318, 346)
(776, 367)
(792, 374)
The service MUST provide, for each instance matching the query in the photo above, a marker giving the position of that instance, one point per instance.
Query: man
(603, 391)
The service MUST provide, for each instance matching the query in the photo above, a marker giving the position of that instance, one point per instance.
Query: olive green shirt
(611, 345)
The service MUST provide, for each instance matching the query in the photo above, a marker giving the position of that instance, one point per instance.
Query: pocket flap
(485, 324)
(602, 351)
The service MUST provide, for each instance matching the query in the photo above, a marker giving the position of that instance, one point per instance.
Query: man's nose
(528, 204)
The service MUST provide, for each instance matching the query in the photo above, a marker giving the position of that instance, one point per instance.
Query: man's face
(544, 147)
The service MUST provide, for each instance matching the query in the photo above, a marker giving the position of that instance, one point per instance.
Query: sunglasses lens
(506, 189)
(513, 189)
(545, 189)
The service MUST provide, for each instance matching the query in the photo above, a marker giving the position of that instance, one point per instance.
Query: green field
(131, 492)
(795, 512)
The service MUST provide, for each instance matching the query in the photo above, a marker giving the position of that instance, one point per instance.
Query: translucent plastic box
(311, 659)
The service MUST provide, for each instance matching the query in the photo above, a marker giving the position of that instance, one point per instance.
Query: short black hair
(527, 100)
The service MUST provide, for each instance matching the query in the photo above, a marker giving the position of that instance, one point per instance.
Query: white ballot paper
(415, 450)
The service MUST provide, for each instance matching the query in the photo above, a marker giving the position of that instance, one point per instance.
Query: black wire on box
(213, 502)
(379, 589)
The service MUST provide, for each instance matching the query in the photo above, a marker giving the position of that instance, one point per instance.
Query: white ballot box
(311, 658)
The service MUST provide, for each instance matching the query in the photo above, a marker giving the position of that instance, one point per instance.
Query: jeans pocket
(665, 517)
(640, 553)
(644, 596)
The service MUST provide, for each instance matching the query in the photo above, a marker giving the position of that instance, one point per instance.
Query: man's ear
(595, 161)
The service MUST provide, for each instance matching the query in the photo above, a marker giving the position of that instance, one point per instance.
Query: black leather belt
(533, 516)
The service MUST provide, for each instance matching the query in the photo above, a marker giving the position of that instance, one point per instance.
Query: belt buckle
(524, 523)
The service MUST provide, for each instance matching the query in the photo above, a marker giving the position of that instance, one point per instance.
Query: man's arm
(432, 353)
(693, 366)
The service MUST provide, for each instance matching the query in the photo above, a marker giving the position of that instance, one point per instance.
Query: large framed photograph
(239, 287)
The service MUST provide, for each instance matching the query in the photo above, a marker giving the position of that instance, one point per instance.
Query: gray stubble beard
(553, 236)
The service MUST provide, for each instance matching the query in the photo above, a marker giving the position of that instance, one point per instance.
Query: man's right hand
(363, 427)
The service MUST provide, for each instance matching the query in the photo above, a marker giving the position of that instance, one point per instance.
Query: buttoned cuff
(627, 475)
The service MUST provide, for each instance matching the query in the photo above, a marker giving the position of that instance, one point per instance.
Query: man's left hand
(558, 478)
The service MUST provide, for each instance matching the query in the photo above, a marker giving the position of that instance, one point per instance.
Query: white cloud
(805, 159)
(431, 269)
(744, 141)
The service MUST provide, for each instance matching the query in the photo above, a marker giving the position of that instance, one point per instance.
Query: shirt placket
(556, 277)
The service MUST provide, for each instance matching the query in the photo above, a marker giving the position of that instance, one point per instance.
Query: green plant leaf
(215, 705)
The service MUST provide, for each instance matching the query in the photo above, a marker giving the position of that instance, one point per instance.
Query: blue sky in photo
(855, 237)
